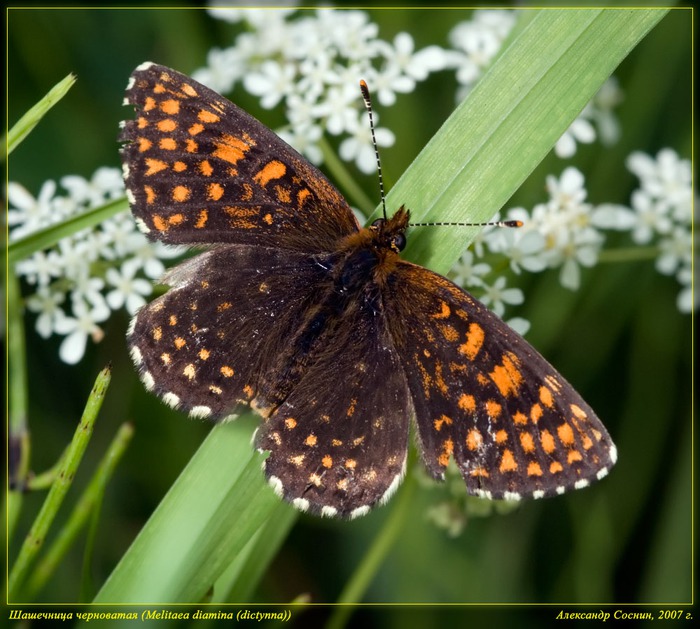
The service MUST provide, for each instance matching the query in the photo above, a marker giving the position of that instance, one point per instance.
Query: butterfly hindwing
(339, 441)
(485, 397)
(205, 345)
(198, 169)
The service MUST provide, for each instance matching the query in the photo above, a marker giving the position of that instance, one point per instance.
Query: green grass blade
(37, 534)
(81, 513)
(18, 400)
(511, 120)
(26, 123)
(241, 578)
(205, 521)
(49, 236)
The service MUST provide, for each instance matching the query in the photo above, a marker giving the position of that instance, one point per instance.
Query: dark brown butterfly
(322, 328)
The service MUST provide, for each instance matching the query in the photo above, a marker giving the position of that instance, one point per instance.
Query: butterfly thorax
(357, 274)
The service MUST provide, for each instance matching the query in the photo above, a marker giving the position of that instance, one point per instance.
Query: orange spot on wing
(547, 441)
(474, 439)
(508, 463)
(226, 371)
(447, 449)
(144, 144)
(536, 413)
(501, 436)
(170, 107)
(207, 117)
(327, 461)
(555, 467)
(215, 191)
(519, 418)
(467, 403)
(230, 149)
(178, 166)
(493, 409)
(205, 168)
(506, 376)
(534, 469)
(475, 339)
(195, 129)
(167, 144)
(167, 125)
(573, 456)
(181, 193)
(202, 219)
(443, 419)
(290, 423)
(566, 434)
(444, 312)
(546, 397)
(272, 170)
(527, 442)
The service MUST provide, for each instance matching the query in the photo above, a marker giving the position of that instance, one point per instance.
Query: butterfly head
(391, 233)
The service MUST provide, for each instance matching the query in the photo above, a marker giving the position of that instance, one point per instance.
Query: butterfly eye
(398, 242)
(376, 225)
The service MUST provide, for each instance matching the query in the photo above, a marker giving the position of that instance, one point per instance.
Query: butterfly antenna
(368, 105)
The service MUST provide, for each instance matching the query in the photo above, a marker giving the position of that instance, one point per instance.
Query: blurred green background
(620, 340)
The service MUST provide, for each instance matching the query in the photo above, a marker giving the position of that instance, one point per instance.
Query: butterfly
(320, 326)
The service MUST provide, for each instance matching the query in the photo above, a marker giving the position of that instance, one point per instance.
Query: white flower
(224, 68)
(128, 291)
(651, 217)
(272, 83)
(676, 251)
(40, 268)
(568, 191)
(46, 301)
(358, 147)
(465, 273)
(523, 246)
(666, 179)
(608, 97)
(77, 328)
(105, 184)
(27, 214)
(497, 296)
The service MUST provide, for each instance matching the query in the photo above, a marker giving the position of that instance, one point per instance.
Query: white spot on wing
(511, 495)
(602, 473)
(171, 399)
(144, 66)
(136, 356)
(200, 412)
(301, 503)
(359, 512)
(580, 484)
(329, 512)
(538, 494)
(148, 380)
(276, 485)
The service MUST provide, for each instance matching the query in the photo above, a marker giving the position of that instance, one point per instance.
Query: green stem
(37, 534)
(84, 507)
(372, 561)
(18, 401)
(628, 254)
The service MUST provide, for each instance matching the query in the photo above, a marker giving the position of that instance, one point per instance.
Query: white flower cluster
(568, 233)
(78, 283)
(311, 62)
(661, 213)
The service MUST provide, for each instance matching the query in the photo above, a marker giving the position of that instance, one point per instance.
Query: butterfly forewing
(484, 396)
(198, 169)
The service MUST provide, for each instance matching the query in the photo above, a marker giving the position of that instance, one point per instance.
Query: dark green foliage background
(620, 340)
